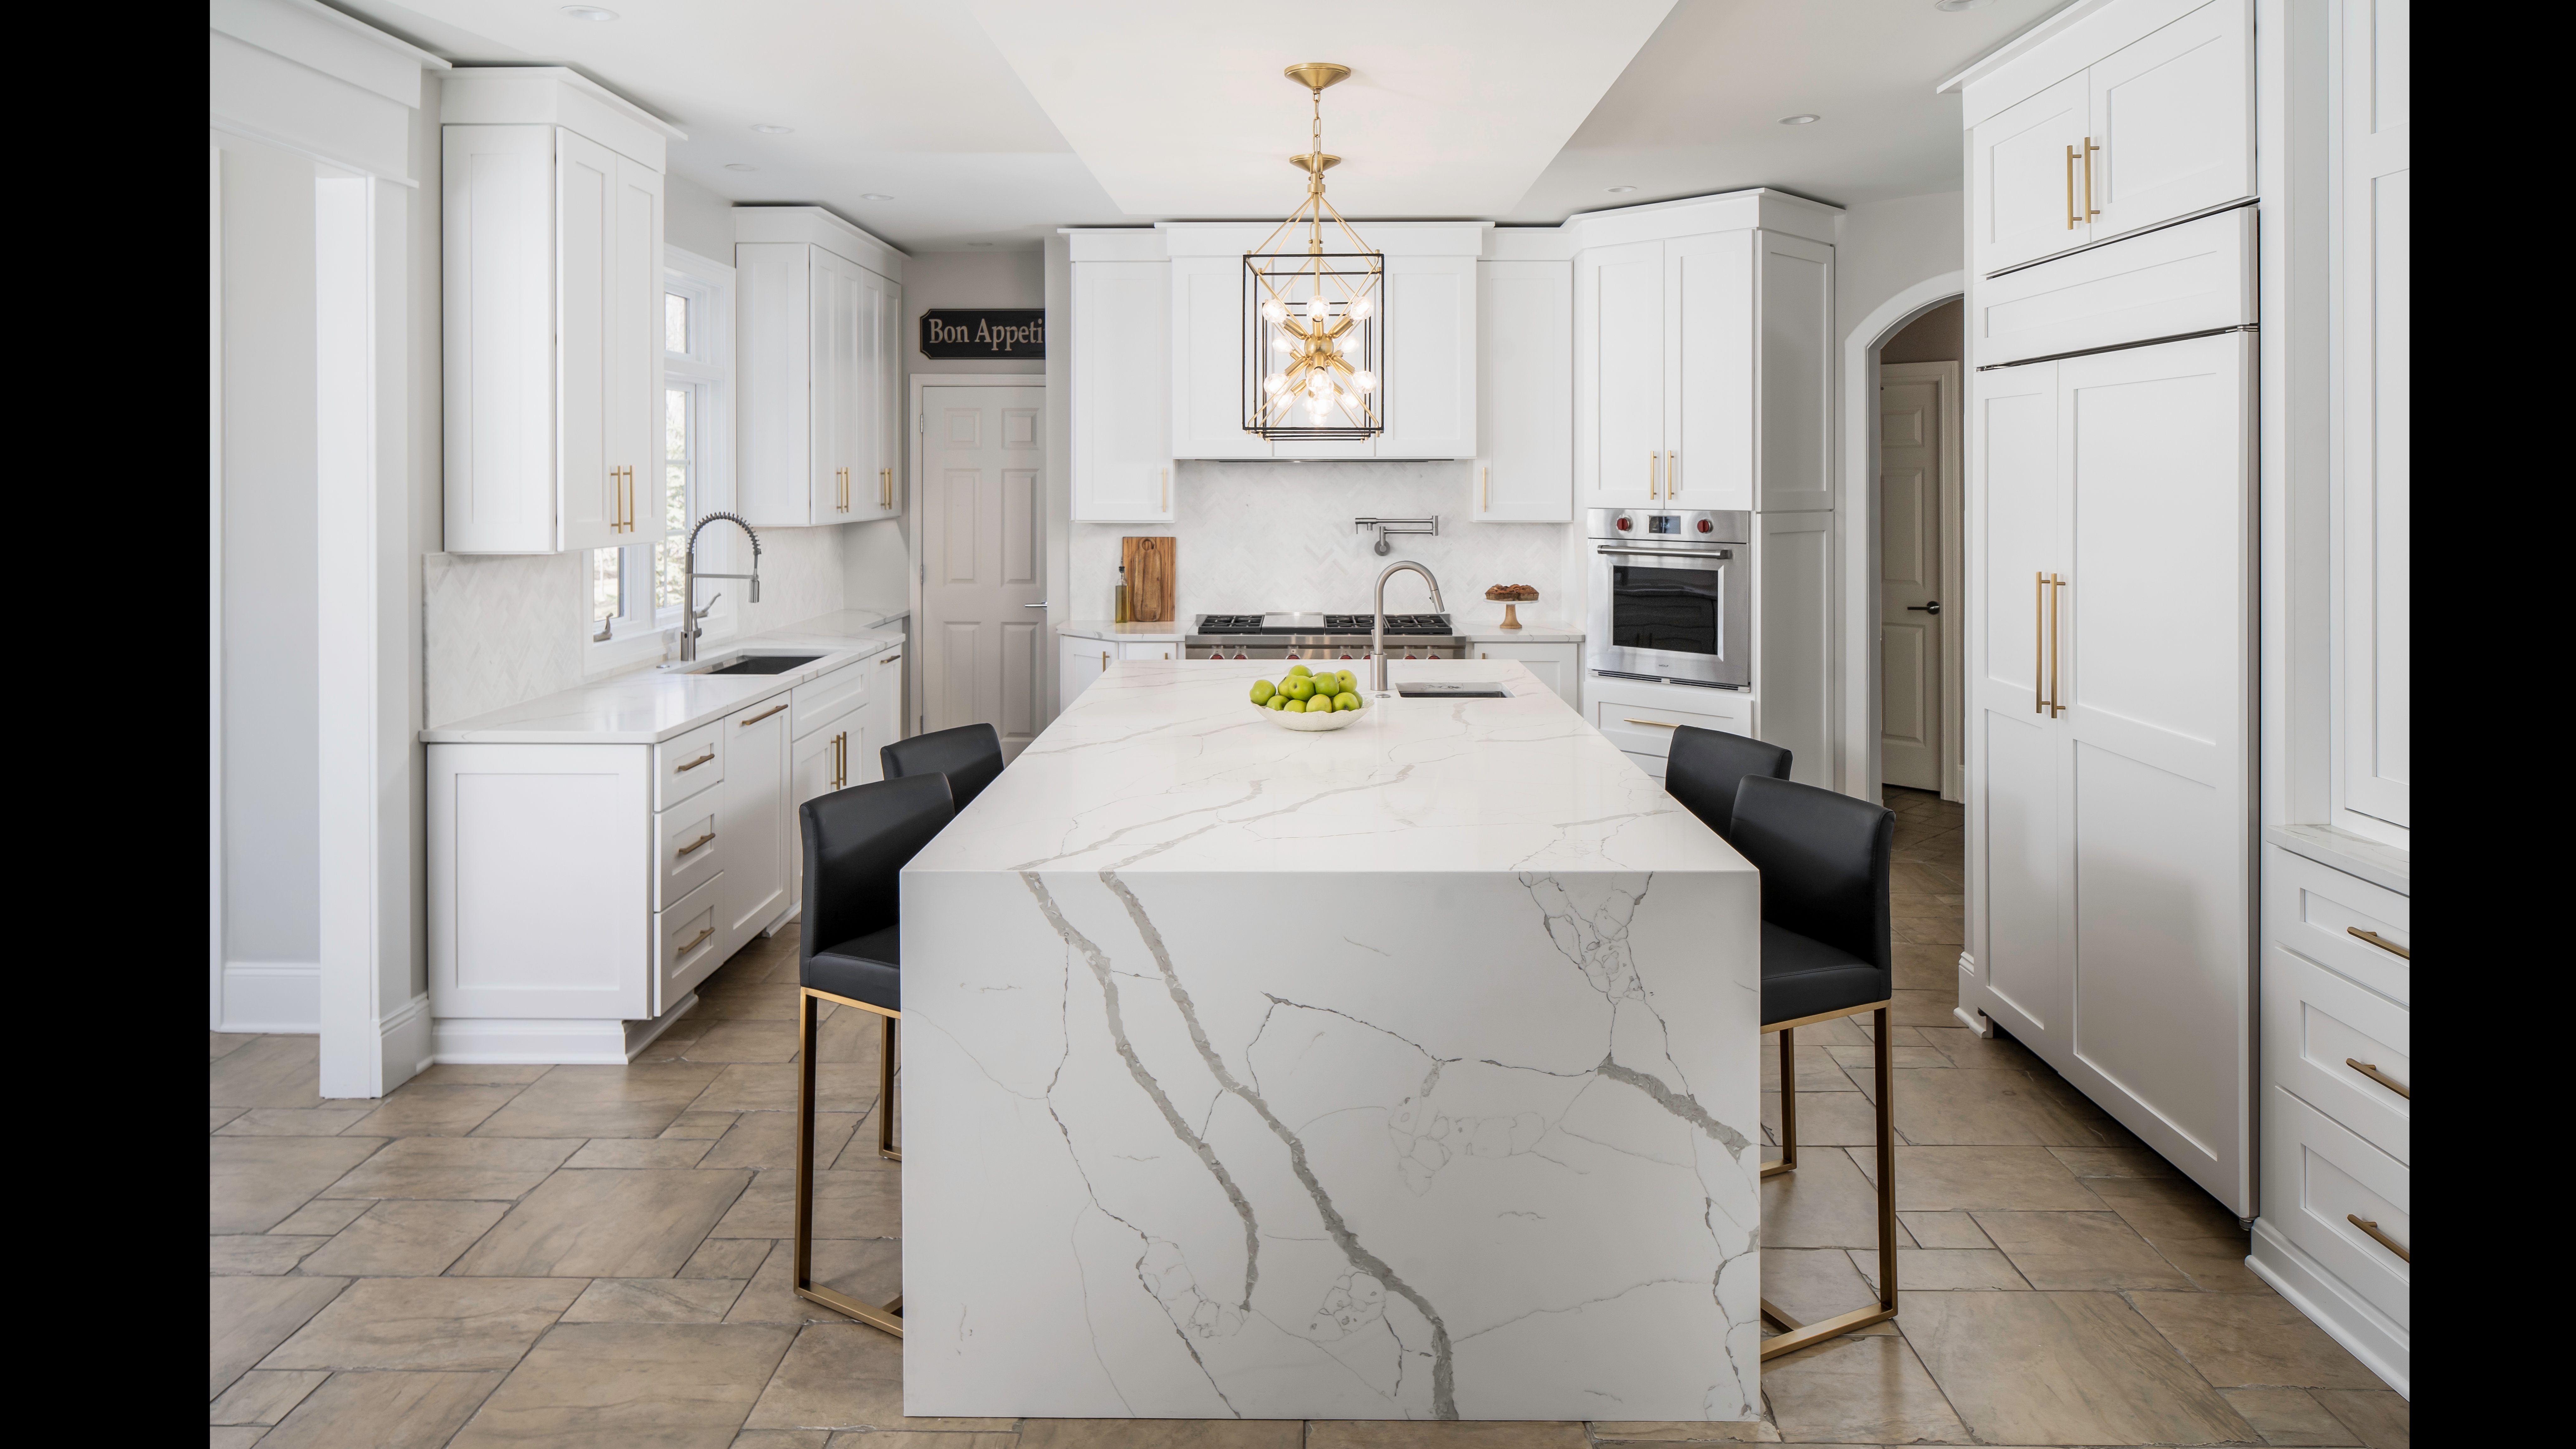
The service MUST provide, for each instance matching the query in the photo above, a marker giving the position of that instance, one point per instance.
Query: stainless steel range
(1320, 636)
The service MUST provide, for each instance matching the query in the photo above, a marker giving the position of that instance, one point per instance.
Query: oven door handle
(1686, 555)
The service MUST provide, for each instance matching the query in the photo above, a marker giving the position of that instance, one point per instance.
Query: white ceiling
(1094, 112)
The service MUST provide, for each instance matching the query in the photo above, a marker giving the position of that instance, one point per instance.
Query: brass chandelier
(1311, 317)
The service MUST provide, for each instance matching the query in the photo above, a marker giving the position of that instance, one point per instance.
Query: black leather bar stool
(1825, 954)
(850, 951)
(969, 755)
(1705, 766)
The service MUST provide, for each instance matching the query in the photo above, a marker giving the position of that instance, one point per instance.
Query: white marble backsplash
(1257, 536)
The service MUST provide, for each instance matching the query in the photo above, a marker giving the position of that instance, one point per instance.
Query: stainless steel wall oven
(1671, 596)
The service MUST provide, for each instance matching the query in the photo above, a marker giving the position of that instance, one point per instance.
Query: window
(635, 589)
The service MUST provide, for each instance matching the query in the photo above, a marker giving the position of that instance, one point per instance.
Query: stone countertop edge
(648, 706)
(1163, 633)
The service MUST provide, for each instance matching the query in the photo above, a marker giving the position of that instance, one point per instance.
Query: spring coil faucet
(690, 614)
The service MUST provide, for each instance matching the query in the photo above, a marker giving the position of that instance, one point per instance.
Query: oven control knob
(1623, 523)
(1705, 525)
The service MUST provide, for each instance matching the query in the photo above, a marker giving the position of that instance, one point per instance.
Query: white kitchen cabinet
(885, 498)
(1558, 666)
(818, 405)
(2139, 114)
(1428, 393)
(1208, 360)
(1145, 649)
(1078, 663)
(1525, 393)
(1640, 715)
(1122, 391)
(835, 755)
(752, 819)
(1619, 327)
(551, 258)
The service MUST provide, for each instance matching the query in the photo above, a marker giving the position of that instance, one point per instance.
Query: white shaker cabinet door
(832, 341)
(876, 478)
(2170, 116)
(777, 456)
(1208, 361)
(634, 356)
(590, 452)
(1122, 395)
(2026, 179)
(818, 763)
(1525, 393)
(1619, 371)
(1079, 662)
(1428, 395)
(752, 819)
(1710, 352)
(1556, 665)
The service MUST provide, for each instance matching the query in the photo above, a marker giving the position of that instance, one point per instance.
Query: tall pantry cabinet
(551, 267)
(821, 361)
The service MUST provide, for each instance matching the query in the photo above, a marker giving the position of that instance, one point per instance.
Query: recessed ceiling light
(1805, 120)
(1956, 4)
(587, 12)
(766, 129)
(874, 196)
(1621, 190)
(740, 166)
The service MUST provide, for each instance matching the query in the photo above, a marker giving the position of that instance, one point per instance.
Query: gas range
(1321, 636)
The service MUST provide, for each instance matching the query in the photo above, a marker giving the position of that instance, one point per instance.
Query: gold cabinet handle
(630, 498)
(889, 659)
(764, 714)
(2376, 1236)
(1672, 476)
(1104, 661)
(694, 844)
(1652, 492)
(887, 474)
(693, 764)
(2382, 942)
(2090, 210)
(2371, 1071)
(2056, 637)
(841, 760)
(694, 940)
(1485, 485)
(1660, 724)
(2071, 218)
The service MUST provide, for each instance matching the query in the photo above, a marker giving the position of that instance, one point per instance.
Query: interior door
(2025, 199)
(2155, 751)
(1619, 374)
(585, 366)
(983, 550)
(2169, 115)
(1913, 706)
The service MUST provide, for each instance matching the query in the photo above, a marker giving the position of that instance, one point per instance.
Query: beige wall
(1932, 337)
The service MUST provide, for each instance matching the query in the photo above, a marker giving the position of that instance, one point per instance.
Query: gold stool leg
(885, 1094)
(888, 1318)
(1788, 1106)
(1796, 1335)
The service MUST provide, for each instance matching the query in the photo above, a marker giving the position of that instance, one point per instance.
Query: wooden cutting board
(1149, 578)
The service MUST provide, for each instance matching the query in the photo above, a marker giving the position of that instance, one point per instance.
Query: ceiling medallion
(1311, 317)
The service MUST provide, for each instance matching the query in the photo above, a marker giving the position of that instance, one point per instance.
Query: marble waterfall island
(1404, 1071)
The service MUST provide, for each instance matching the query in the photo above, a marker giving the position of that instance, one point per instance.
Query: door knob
(1933, 607)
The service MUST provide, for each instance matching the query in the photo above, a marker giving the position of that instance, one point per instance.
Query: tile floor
(593, 1256)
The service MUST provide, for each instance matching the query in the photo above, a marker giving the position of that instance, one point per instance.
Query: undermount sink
(746, 664)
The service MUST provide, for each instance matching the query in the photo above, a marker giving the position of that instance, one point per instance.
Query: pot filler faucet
(690, 614)
(1377, 630)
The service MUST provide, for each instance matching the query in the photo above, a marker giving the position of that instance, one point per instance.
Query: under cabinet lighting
(588, 12)
(1808, 119)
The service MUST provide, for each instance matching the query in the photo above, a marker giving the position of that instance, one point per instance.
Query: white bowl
(1338, 719)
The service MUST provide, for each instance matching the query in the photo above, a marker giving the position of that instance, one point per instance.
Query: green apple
(1299, 669)
(1262, 689)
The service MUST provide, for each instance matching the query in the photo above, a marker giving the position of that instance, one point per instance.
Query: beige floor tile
(850, 1203)
(676, 1039)
(1924, 1008)
(1907, 905)
(861, 1152)
(672, 1385)
(263, 1396)
(654, 1300)
(1826, 1203)
(1860, 1063)
(457, 1074)
(1927, 931)
(2244, 1340)
(216, 1117)
(2114, 1162)
(406, 1239)
(256, 1255)
(868, 1269)
(844, 1376)
(247, 1317)
(1916, 877)
(900, 1439)
(2062, 1368)
(428, 1323)
(756, 1004)
(726, 1258)
(662, 1152)
(1615, 1431)
(239, 1437)
(1157, 1434)
(849, 1035)
(272, 1071)
(1825, 1119)
(816, 1439)
(606, 1224)
(2379, 1416)
(1965, 1048)
(771, 1087)
(1944, 1230)
(1928, 1270)
(1941, 1179)
(436, 1110)
(634, 1101)
(1399, 1434)
(298, 1122)
(2289, 1417)
(224, 1043)
(456, 1167)
(1817, 1069)
(1963, 1107)
(324, 1216)
(2094, 1251)
(2186, 1225)
(768, 1139)
(1813, 1284)
(1860, 1390)
(707, 1126)
(383, 1411)
(254, 1182)
(742, 1040)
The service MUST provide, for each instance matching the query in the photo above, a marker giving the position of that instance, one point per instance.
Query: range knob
(1623, 523)
(1705, 525)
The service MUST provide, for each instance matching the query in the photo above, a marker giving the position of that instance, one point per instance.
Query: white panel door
(586, 451)
(634, 382)
(1709, 356)
(1619, 375)
(2374, 156)
(2025, 197)
(1793, 339)
(1524, 393)
(1208, 361)
(2171, 116)
(1122, 396)
(1911, 703)
(774, 283)
(752, 819)
(1429, 391)
(983, 551)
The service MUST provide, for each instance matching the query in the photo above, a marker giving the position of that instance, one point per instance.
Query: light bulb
(1364, 380)
(1274, 382)
(1281, 344)
(1318, 386)
(1316, 308)
(1361, 309)
(1272, 310)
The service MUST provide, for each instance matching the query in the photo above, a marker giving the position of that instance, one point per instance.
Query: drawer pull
(1661, 724)
(2376, 1236)
(2382, 942)
(693, 764)
(764, 714)
(694, 940)
(694, 844)
(2382, 1078)
(889, 659)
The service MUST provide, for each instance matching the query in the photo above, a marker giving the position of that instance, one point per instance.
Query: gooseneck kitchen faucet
(690, 613)
(1377, 630)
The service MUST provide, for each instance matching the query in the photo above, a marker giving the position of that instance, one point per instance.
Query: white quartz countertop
(1476, 631)
(1166, 767)
(651, 705)
(1158, 632)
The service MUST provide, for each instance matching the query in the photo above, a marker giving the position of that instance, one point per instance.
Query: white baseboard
(272, 996)
(551, 1041)
(2374, 1338)
(403, 1038)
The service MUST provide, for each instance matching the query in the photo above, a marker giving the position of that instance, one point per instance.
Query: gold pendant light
(1311, 316)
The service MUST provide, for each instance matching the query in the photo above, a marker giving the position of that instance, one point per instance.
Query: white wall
(695, 219)
(1887, 246)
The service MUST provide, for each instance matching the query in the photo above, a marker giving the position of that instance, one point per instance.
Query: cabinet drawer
(1135, 650)
(820, 701)
(1647, 729)
(2189, 278)
(2319, 1177)
(1653, 765)
(2314, 911)
(2319, 1030)
(687, 765)
(686, 942)
(684, 838)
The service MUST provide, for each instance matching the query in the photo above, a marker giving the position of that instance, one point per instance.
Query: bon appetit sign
(984, 332)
